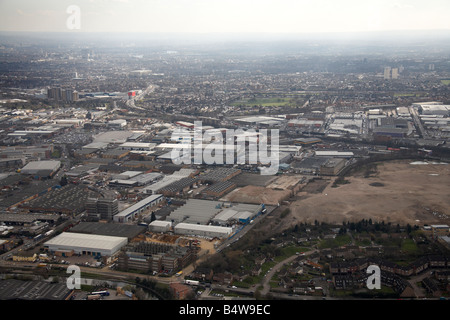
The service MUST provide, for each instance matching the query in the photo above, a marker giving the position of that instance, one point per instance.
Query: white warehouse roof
(198, 229)
(79, 242)
(36, 166)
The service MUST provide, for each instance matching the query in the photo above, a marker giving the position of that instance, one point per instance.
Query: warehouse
(219, 174)
(167, 180)
(137, 208)
(13, 289)
(70, 199)
(202, 230)
(45, 168)
(218, 189)
(108, 229)
(177, 188)
(332, 167)
(139, 146)
(196, 211)
(337, 154)
(160, 226)
(68, 243)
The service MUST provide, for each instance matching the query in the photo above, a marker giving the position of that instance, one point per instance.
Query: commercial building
(13, 289)
(332, 167)
(70, 199)
(167, 180)
(218, 189)
(160, 226)
(155, 257)
(69, 243)
(137, 146)
(46, 168)
(109, 229)
(102, 208)
(195, 211)
(202, 230)
(237, 213)
(118, 123)
(133, 211)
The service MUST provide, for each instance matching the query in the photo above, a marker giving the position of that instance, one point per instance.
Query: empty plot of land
(258, 195)
(286, 182)
(316, 186)
(254, 179)
(400, 192)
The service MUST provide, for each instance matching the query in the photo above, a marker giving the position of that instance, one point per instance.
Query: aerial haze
(198, 150)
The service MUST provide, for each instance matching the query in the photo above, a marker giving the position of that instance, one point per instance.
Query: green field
(409, 246)
(264, 102)
(445, 82)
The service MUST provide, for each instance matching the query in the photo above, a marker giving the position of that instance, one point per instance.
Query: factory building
(133, 211)
(332, 167)
(195, 211)
(160, 226)
(45, 168)
(69, 243)
(191, 229)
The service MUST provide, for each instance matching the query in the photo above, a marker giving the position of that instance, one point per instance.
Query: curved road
(277, 267)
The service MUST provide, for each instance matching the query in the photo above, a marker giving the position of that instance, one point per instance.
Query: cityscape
(136, 167)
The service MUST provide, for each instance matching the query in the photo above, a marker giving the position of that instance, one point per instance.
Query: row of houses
(414, 268)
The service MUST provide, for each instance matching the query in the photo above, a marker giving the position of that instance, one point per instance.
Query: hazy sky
(203, 16)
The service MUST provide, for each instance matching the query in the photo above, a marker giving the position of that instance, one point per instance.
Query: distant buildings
(60, 94)
(390, 73)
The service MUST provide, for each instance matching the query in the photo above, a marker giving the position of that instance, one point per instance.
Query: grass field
(264, 102)
(409, 246)
(445, 82)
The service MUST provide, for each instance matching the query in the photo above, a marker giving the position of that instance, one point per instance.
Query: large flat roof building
(202, 230)
(132, 211)
(90, 244)
(41, 168)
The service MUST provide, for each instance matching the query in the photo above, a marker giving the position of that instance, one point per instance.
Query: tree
(408, 228)
(63, 181)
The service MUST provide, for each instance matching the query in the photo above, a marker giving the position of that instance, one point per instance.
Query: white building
(160, 226)
(133, 211)
(89, 244)
(202, 230)
(138, 146)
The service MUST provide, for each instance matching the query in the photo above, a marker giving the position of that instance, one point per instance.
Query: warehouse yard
(399, 192)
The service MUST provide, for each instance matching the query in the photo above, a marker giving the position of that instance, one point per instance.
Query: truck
(101, 293)
(192, 282)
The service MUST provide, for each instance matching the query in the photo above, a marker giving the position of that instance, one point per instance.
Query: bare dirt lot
(400, 192)
(285, 182)
(257, 195)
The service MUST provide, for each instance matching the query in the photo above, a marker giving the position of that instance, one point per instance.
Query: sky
(224, 16)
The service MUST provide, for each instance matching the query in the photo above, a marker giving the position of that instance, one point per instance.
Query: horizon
(220, 16)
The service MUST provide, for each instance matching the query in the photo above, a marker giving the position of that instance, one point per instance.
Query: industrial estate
(89, 180)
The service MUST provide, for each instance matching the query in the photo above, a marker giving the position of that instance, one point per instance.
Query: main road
(130, 102)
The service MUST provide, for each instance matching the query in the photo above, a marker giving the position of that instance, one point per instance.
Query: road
(276, 268)
(130, 102)
(417, 122)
